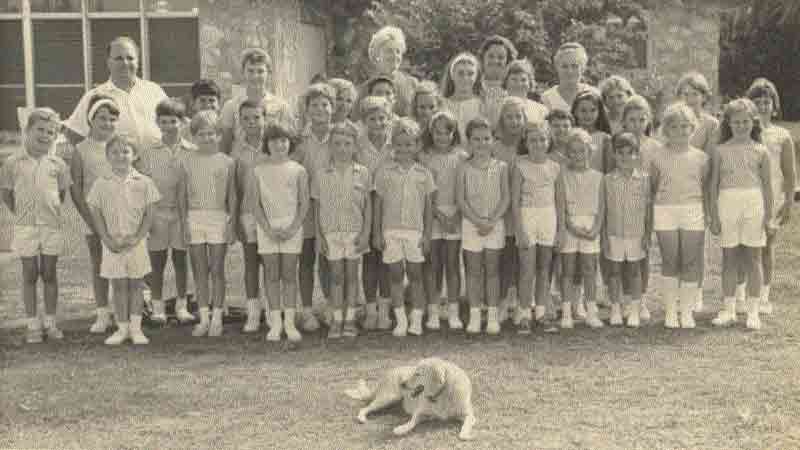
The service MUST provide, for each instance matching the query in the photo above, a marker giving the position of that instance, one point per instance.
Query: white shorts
(741, 214)
(402, 245)
(539, 224)
(575, 244)
(471, 241)
(625, 249)
(38, 240)
(208, 226)
(166, 232)
(248, 222)
(342, 245)
(690, 217)
(438, 230)
(269, 246)
(134, 263)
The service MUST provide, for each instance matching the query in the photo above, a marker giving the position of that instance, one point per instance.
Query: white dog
(433, 389)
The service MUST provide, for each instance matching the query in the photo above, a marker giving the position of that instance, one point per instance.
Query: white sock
(400, 315)
(49, 321)
(337, 315)
(217, 313)
(741, 292)
(350, 314)
(765, 293)
(204, 314)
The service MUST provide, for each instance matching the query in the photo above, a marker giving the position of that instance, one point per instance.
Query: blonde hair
(740, 105)
(382, 37)
(638, 103)
(616, 83)
(42, 114)
(405, 126)
(373, 103)
(679, 111)
(695, 80)
(580, 50)
(578, 134)
(341, 84)
(520, 66)
(345, 128)
(121, 139)
(204, 119)
(508, 103)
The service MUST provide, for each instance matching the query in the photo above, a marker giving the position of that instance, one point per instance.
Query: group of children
(528, 194)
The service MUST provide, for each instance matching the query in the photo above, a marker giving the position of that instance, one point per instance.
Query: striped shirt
(483, 186)
(627, 202)
(36, 184)
(740, 165)
(537, 189)
(372, 157)
(277, 112)
(246, 158)
(680, 176)
(314, 155)
(122, 201)
(464, 111)
(493, 95)
(705, 135)
(507, 154)
(444, 168)
(582, 190)
(94, 162)
(342, 196)
(279, 188)
(774, 137)
(403, 192)
(207, 177)
(160, 163)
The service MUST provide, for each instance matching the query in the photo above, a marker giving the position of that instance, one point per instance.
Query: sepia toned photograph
(399, 224)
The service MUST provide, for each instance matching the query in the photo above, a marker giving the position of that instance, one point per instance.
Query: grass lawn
(609, 389)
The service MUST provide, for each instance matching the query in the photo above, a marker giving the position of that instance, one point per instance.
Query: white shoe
(671, 314)
(215, 328)
(724, 318)
(292, 333)
(121, 335)
(644, 313)
(633, 317)
(502, 311)
(401, 329)
(433, 317)
(384, 322)
(310, 322)
(182, 311)
(415, 327)
(539, 312)
(159, 312)
(453, 319)
(101, 324)
(616, 314)
(474, 326)
(135, 331)
(580, 311)
(201, 329)
(765, 308)
(253, 317)
(753, 319)
(699, 304)
(517, 315)
(275, 326)
(492, 322)
(687, 306)
(566, 316)
(592, 318)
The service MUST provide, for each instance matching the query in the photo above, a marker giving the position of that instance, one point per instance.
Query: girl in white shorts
(741, 192)
(679, 176)
(442, 155)
(482, 193)
(780, 148)
(533, 203)
(581, 208)
(207, 206)
(278, 198)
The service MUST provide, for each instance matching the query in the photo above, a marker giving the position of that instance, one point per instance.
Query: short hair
(593, 95)
(450, 121)
(371, 103)
(384, 36)
(204, 119)
(108, 103)
(576, 47)
(345, 128)
(405, 126)
(695, 80)
(377, 80)
(253, 104)
(677, 111)
(522, 147)
(625, 139)
(341, 84)
(317, 90)
(426, 88)
(121, 40)
(42, 114)
(519, 66)
(762, 87)
(496, 39)
(447, 86)
(578, 134)
(559, 114)
(205, 86)
(255, 56)
(740, 105)
(638, 103)
(276, 130)
(616, 83)
(507, 103)
(123, 140)
(477, 124)
(171, 107)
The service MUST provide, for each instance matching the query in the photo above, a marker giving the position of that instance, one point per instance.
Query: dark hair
(427, 132)
(522, 146)
(317, 90)
(511, 50)
(476, 124)
(276, 131)
(256, 56)
(625, 139)
(373, 81)
(762, 87)
(560, 114)
(112, 108)
(205, 86)
(737, 106)
(447, 85)
(171, 107)
(122, 40)
(601, 123)
(124, 140)
(253, 104)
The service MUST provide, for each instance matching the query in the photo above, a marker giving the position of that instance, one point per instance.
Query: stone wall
(298, 49)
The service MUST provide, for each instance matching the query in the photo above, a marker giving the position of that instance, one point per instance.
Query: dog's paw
(362, 418)
(401, 430)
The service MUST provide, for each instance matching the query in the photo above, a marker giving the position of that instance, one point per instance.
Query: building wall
(227, 27)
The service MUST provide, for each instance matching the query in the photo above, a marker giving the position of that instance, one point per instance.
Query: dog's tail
(361, 392)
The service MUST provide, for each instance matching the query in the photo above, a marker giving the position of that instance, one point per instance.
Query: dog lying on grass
(433, 389)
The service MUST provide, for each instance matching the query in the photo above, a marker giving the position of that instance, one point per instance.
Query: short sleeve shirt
(279, 188)
(341, 196)
(137, 111)
(582, 191)
(740, 165)
(372, 157)
(403, 191)
(483, 186)
(537, 189)
(627, 200)
(161, 163)
(774, 138)
(94, 162)
(680, 176)
(707, 129)
(277, 112)
(36, 183)
(444, 168)
(207, 177)
(123, 201)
